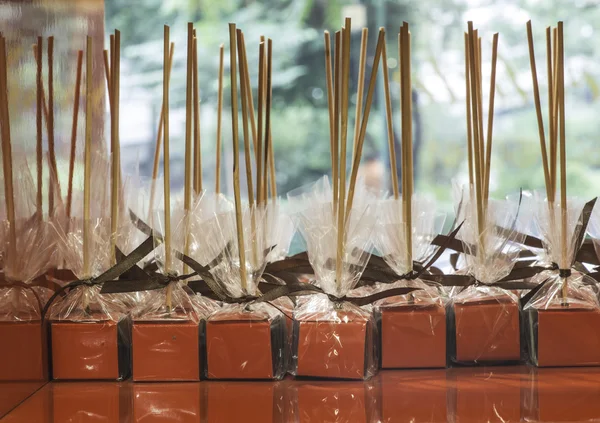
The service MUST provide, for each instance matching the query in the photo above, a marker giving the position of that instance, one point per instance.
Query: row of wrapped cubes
(249, 345)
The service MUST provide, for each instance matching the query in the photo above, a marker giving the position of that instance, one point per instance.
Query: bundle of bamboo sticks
(261, 139)
(555, 57)
(479, 148)
(338, 96)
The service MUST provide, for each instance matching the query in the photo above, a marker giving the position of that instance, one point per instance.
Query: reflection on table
(470, 394)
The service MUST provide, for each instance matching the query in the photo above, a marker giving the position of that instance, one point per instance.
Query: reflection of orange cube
(413, 336)
(161, 402)
(24, 352)
(12, 393)
(333, 402)
(563, 395)
(413, 396)
(78, 401)
(166, 350)
(334, 349)
(90, 350)
(485, 395)
(487, 330)
(568, 337)
(241, 402)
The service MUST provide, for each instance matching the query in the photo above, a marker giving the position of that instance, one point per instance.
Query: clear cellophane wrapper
(413, 326)
(30, 255)
(333, 339)
(246, 340)
(85, 303)
(484, 320)
(563, 316)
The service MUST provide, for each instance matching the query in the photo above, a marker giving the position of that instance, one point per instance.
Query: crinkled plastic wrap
(484, 320)
(563, 316)
(412, 327)
(23, 355)
(334, 339)
(246, 340)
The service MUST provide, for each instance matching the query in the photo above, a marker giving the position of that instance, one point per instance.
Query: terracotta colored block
(413, 336)
(90, 350)
(333, 402)
(248, 402)
(487, 331)
(24, 351)
(416, 396)
(564, 395)
(568, 337)
(486, 395)
(98, 401)
(333, 349)
(244, 345)
(167, 402)
(166, 350)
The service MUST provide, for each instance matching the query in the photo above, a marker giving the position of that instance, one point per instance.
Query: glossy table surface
(492, 394)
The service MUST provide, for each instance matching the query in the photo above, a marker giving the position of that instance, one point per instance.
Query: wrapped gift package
(24, 352)
(90, 335)
(564, 330)
(485, 326)
(333, 340)
(167, 339)
(246, 341)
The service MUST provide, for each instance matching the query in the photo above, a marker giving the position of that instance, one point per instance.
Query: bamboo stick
(342, 218)
(538, 107)
(166, 170)
(245, 128)
(337, 68)
(51, 146)
(115, 145)
(166, 155)
(269, 145)
(250, 102)
(551, 132)
(468, 112)
(361, 85)
(488, 148)
(38, 52)
(480, 106)
(87, 176)
(7, 150)
(261, 108)
(329, 78)
(407, 173)
(74, 132)
(555, 110)
(219, 120)
(563, 159)
(187, 183)
(236, 157)
(197, 135)
(389, 124)
(159, 137)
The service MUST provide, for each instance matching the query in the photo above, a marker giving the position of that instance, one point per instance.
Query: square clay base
(82, 350)
(24, 351)
(166, 351)
(333, 349)
(568, 337)
(413, 337)
(244, 345)
(487, 331)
